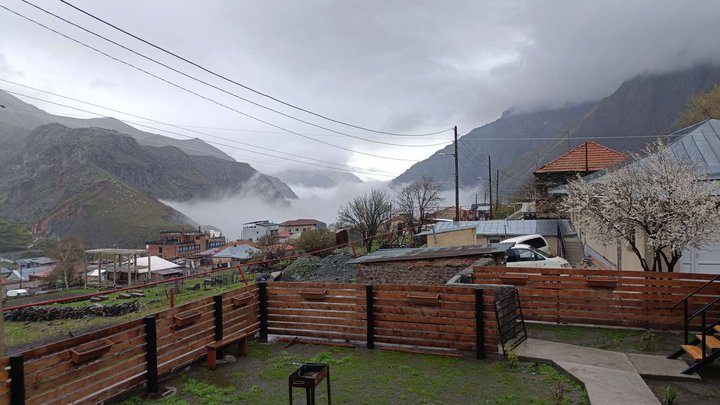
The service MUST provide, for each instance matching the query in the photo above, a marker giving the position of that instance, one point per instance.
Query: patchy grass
(20, 335)
(370, 377)
(622, 340)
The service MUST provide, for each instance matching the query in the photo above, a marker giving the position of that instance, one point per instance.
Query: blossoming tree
(657, 194)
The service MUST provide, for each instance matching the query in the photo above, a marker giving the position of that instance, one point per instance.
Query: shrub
(669, 396)
(314, 240)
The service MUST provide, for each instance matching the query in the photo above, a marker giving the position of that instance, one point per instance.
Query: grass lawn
(706, 392)
(620, 340)
(23, 335)
(360, 376)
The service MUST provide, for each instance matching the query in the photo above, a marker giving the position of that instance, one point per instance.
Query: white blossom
(657, 194)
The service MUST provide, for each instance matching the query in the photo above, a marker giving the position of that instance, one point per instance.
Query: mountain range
(309, 178)
(633, 115)
(67, 176)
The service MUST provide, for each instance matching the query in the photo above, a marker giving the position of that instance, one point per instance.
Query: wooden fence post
(151, 354)
(479, 324)
(370, 316)
(17, 380)
(262, 291)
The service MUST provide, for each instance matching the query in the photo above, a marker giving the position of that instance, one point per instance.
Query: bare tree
(366, 215)
(660, 195)
(67, 253)
(417, 199)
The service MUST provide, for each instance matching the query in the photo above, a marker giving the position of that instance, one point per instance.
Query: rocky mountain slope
(309, 178)
(104, 186)
(514, 129)
(626, 120)
(18, 113)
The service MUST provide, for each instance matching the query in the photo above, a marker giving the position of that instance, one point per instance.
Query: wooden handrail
(696, 291)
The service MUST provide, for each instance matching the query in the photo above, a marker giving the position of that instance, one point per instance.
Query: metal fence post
(370, 316)
(17, 380)
(479, 324)
(262, 291)
(217, 301)
(151, 354)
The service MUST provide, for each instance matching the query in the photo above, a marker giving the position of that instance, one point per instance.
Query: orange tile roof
(599, 157)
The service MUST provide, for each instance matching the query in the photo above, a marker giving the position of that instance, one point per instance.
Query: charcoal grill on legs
(309, 376)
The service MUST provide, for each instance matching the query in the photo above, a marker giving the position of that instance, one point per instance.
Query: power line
(240, 84)
(207, 83)
(353, 170)
(141, 117)
(202, 126)
(200, 95)
(293, 157)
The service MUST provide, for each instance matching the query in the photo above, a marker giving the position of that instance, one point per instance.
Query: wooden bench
(212, 348)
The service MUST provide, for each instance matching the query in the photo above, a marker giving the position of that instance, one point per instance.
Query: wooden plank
(425, 343)
(67, 370)
(68, 343)
(36, 364)
(90, 383)
(317, 327)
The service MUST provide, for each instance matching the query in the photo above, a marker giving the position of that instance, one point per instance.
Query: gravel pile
(332, 268)
(51, 313)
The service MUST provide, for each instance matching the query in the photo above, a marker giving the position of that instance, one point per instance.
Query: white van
(522, 255)
(534, 240)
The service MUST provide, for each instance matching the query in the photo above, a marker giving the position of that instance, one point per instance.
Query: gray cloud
(397, 65)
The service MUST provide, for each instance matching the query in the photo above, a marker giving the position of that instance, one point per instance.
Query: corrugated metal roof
(502, 227)
(392, 255)
(700, 144)
(237, 252)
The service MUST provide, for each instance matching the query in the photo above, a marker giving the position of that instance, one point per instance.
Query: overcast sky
(401, 66)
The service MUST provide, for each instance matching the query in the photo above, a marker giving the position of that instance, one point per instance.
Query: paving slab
(539, 350)
(608, 386)
(661, 368)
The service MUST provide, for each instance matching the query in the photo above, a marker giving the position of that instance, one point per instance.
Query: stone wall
(428, 271)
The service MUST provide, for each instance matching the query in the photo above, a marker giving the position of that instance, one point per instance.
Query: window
(524, 255)
(160, 249)
(536, 243)
(495, 240)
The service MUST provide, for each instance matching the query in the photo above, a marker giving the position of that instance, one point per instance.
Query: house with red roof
(584, 159)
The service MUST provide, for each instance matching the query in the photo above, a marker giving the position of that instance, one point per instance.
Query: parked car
(21, 292)
(534, 240)
(522, 255)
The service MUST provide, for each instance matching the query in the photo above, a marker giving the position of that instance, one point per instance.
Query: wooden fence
(99, 365)
(603, 297)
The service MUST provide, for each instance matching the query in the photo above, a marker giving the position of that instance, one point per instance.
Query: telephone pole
(490, 185)
(457, 180)
(497, 188)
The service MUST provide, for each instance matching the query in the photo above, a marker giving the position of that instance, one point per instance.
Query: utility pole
(490, 184)
(497, 188)
(587, 166)
(457, 180)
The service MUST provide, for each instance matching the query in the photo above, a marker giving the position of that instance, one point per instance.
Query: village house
(254, 231)
(173, 245)
(233, 255)
(701, 144)
(296, 227)
(586, 158)
(463, 233)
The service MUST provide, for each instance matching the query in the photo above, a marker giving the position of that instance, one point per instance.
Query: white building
(253, 231)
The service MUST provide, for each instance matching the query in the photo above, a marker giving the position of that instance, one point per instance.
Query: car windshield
(541, 253)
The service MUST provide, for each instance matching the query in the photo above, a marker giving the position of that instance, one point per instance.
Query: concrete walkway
(609, 377)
